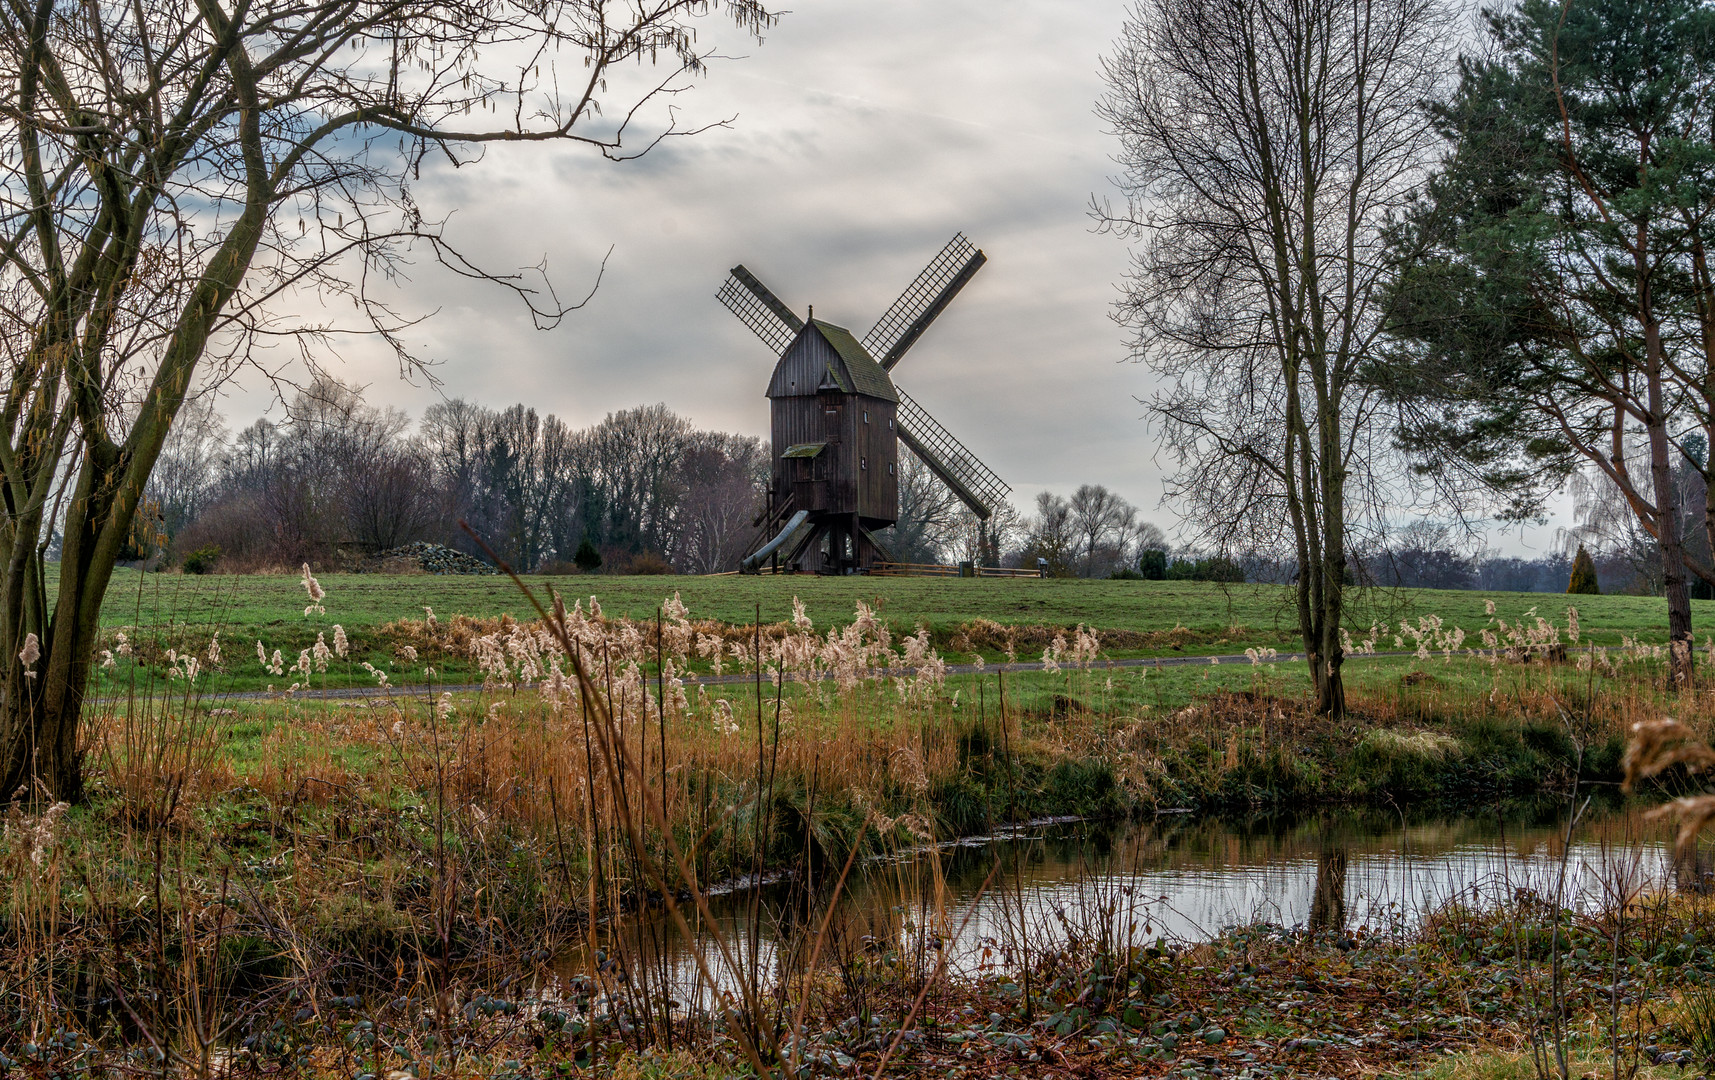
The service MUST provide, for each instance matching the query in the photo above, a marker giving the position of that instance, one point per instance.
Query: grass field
(941, 604)
(1136, 618)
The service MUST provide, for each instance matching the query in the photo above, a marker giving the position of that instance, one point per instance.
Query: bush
(1213, 568)
(649, 563)
(1058, 565)
(1153, 564)
(1583, 582)
(202, 560)
(587, 558)
(238, 527)
(1126, 574)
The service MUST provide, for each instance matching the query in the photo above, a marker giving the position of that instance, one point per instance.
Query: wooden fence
(898, 569)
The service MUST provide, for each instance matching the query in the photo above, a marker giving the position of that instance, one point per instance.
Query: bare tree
(1423, 555)
(1147, 536)
(389, 500)
(1265, 143)
(345, 471)
(1104, 523)
(1052, 535)
(723, 477)
(187, 474)
(528, 466)
(986, 541)
(171, 171)
(632, 457)
(929, 514)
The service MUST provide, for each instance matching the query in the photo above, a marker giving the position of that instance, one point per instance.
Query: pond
(991, 902)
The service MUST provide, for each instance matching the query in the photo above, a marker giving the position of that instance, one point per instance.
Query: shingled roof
(868, 377)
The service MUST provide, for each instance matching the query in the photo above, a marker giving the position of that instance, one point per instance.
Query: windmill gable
(827, 357)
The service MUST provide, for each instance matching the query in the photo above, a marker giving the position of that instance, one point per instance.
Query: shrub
(1695, 1021)
(1583, 580)
(1126, 574)
(202, 560)
(587, 558)
(1153, 564)
(238, 527)
(649, 563)
(1058, 563)
(1086, 787)
(1213, 568)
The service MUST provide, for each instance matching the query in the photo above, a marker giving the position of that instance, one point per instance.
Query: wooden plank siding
(878, 447)
(857, 472)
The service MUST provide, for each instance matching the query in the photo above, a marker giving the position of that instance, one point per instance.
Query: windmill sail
(759, 309)
(903, 323)
(974, 483)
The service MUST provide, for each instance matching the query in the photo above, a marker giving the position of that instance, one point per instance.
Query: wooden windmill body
(837, 420)
(836, 450)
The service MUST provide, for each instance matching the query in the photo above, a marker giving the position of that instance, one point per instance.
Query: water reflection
(992, 901)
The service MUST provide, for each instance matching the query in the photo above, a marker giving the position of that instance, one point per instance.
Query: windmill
(838, 417)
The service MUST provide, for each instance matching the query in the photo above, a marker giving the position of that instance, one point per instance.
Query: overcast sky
(863, 136)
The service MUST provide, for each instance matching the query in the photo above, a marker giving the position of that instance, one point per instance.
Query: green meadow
(964, 617)
(273, 604)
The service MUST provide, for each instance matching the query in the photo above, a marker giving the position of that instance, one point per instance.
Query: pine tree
(587, 558)
(1152, 564)
(1583, 575)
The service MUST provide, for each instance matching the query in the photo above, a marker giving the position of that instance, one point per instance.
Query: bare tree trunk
(1673, 572)
(1702, 385)
(1331, 688)
(1670, 533)
(43, 701)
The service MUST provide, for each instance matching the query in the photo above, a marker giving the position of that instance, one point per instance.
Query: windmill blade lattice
(903, 323)
(758, 308)
(974, 483)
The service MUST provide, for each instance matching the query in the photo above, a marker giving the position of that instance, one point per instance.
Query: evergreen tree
(1554, 279)
(1583, 581)
(588, 559)
(1153, 564)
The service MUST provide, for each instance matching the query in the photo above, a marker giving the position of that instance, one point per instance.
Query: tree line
(337, 479)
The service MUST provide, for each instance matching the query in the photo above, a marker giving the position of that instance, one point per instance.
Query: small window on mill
(866, 416)
(863, 463)
(890, 468)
